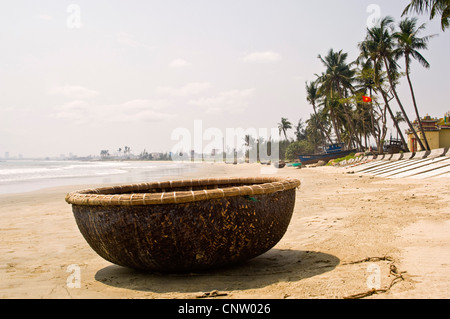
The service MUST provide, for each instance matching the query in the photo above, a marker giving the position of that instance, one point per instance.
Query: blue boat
(331, 152)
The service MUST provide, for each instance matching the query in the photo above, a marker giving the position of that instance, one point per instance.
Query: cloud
(234, 101)
(178, 63)
(262, 57)
(83, 112)
(73, 92)
(189, 89)
(141, 116)
(74, 110)
(130, 41)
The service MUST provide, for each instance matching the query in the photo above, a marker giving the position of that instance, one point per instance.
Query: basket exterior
(187, 236)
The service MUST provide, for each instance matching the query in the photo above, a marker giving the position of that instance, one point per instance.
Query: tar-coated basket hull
(184, 226)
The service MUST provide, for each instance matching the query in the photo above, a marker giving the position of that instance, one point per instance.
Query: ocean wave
(102, 172)
(17, 171)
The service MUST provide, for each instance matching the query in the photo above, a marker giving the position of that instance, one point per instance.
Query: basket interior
(187, 188)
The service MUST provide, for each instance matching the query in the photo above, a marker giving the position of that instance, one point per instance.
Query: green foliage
(297, 148)
(434, 7)
(283, 146)
(283, 126)
(338, 160)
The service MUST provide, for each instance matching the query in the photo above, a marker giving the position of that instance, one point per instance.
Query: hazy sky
(82, 76)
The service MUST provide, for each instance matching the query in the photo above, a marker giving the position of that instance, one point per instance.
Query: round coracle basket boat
(187, 225)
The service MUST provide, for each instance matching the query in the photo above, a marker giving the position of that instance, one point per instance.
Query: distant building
(156, 156)
(437, 132)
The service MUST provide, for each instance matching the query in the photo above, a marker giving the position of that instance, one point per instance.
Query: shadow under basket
(187, 225)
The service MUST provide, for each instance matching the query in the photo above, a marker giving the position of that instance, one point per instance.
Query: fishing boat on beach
(330, 152)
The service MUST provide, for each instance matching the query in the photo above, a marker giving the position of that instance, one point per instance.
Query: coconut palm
(336, 84)
(104, 154)
(313, 132)
(300, 132)
(312, 96)
(408, 44)
(370, 58)
(365, 84)
(384, 50)
(284, 126)
(434, 7)
(250, 144)
(331, 107)
(338, 75)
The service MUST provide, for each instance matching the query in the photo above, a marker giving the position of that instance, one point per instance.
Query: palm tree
(300, 132)
(370, 57)
(104, 154)
(312, 95)
(284, 126)
(250, 145)
(336, 83)
(331, 108)
(435, 7)
(366, 85)
(313, 133)
(408, 44)
(385, 50)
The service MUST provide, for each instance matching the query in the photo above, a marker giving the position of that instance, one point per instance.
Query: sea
(18, 176)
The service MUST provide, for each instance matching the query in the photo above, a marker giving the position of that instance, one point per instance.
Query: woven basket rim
(122, 195)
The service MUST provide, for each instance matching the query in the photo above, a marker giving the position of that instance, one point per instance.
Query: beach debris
(321, 163)
(371, 259)
(280, 164)
(212, 294)
(393, 270)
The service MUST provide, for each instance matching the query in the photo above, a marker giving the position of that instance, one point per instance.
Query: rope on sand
(393, 270)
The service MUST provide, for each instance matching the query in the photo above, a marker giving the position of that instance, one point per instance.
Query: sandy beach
(347, 230)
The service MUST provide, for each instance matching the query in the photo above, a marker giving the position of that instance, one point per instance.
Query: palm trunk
(411, 127)
(373, 130)
(372, 117)
(352, 128)
(350, 121)
(393, 117)
(382, 130)
(336, 129)
(320, 124)
(415, 104)
(375, 124)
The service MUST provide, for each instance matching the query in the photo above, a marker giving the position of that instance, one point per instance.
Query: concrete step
(425, 168)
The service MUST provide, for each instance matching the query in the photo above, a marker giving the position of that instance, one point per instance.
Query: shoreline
(128, 173)
(339, 221)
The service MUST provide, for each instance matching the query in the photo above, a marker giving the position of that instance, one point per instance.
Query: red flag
(367, 99)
